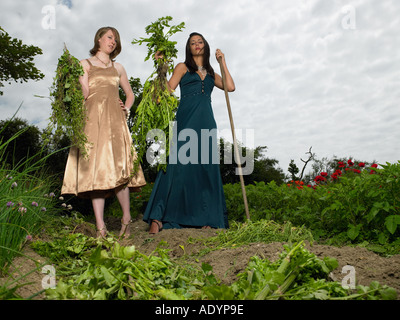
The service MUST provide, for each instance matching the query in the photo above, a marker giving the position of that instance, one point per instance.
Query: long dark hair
(189, 61)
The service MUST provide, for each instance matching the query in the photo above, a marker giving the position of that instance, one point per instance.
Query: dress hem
(103, 193)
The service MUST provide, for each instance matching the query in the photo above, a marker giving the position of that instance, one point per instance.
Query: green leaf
(391, 223)
(353, 231)
(382, 238)
(96, 256)
(331, 263)
(373, 212)
(388, 293)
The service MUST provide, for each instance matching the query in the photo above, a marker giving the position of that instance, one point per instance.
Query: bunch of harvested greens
(158, 106)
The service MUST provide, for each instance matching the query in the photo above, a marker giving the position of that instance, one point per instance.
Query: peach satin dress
(109, 164)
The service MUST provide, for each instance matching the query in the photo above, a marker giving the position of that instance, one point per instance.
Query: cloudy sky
(320, 73)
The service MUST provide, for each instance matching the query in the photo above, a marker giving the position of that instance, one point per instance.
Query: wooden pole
(236, 150)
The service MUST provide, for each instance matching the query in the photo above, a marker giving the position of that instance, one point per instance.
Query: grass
(265, 231)
(27, 199)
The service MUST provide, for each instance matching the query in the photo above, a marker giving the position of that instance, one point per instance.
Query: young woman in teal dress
(190, 192)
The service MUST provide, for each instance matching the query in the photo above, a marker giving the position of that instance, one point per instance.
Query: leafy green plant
(121, 272)
(159, 41)
(357, 206)
(158, 105)
(297, 275)
(109, 271)
(68, 108)
(25, 202)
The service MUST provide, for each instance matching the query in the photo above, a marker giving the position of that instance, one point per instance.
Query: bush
(358, 204)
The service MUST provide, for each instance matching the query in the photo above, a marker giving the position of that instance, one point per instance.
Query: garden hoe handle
(234, 139)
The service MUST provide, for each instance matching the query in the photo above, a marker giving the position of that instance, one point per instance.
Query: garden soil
(226, 263)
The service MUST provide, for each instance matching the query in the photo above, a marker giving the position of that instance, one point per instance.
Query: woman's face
(196, 45)
(107, 42)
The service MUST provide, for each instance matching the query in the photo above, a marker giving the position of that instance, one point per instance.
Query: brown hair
(101, 33)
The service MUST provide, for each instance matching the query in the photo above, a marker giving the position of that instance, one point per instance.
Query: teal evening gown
(191, 194)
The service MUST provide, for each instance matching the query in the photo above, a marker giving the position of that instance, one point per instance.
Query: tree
(16, 60)
(26, 144)
(293, 170)
(263, 168)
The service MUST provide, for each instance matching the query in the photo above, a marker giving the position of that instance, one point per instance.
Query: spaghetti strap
(89, 62)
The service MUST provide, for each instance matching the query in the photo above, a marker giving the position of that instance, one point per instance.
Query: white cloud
(302, 78)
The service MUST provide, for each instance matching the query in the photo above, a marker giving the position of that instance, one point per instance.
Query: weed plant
(26, 198)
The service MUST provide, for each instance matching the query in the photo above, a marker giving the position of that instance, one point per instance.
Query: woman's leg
(123, 198)
(155, 226)
(98, 208)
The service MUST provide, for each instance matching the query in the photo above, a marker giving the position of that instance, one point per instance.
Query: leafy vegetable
(68, 109)
(158, 106)
(297, 275)
(91, 269)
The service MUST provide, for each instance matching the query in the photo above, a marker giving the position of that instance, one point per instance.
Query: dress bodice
(191, 84)
(103, 81)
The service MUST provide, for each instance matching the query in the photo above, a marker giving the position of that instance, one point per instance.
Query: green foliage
(357, 206)
(266, 201)
(154, 114)
(68, 108)
(24, 141)
(24, 203)
(90, 269)
(158, 105)
(264, 169)
(159, 41)
(297, 275)
(93, 270)
(16, 60)
(293, 169)
(265, 231)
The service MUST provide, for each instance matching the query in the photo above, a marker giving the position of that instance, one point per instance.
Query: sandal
(101, 233)
(125, 227)
(159, 225)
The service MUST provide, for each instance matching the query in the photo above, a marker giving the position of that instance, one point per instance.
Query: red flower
(357, 171)
(334, 176)
(338, 172)
(324, 174)
(318, 179)
(341, 164)
(361, 164)
(374, 165)
(350, 163)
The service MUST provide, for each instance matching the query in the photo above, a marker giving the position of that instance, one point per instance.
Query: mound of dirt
(226, 263)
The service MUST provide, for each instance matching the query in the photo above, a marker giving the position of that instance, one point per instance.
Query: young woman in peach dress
(107, 169)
